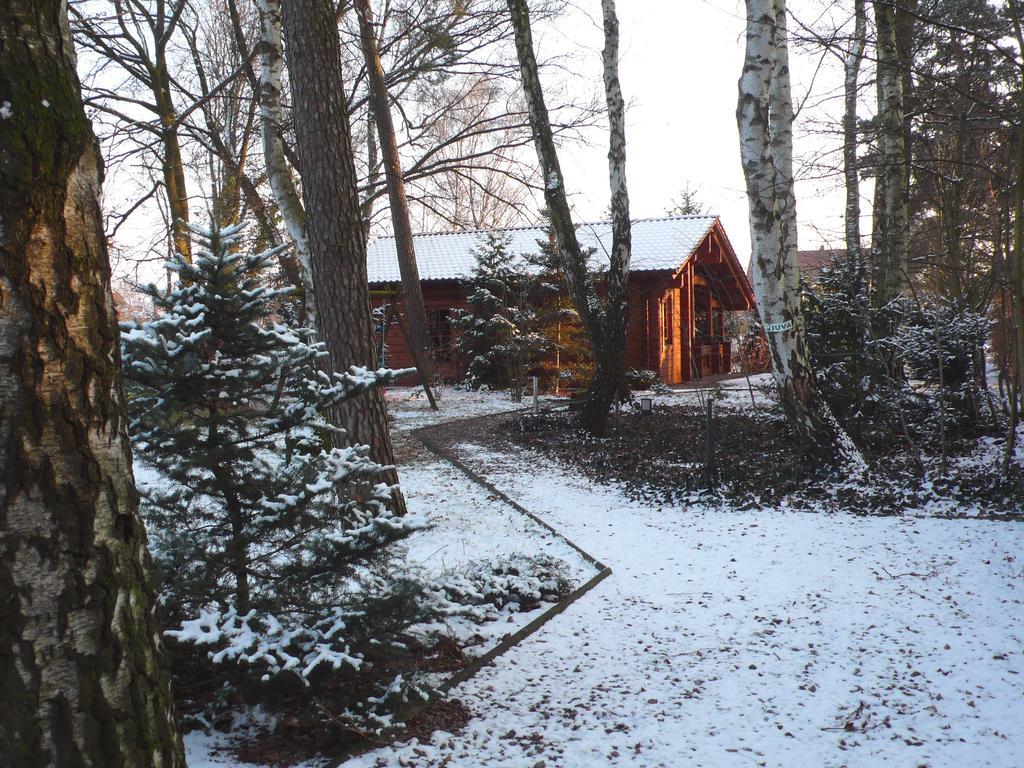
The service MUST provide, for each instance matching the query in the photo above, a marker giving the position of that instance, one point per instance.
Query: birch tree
(279, 173)
(84, 675)
(851, 71)
(891, 220)
(604, 321)
(764, 115)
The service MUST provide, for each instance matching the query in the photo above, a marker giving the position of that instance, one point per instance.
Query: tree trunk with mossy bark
(82, 670)
(337, 240)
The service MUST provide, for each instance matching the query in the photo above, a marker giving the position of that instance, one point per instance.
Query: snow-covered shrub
(272, 538)
(960, 335)
(958, 332)
(516, 580)
(863, 356)
(642, 379)
(852, 357)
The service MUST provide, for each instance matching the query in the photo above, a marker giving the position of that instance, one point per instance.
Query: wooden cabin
(684, 277)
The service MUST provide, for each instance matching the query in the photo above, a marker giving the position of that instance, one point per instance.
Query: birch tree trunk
(609, 373)
(851, 72)
(337, 241)
(890, 225)
(412, 289)
(604, 322)
(83, 677)
(764, 115)
(279, 173)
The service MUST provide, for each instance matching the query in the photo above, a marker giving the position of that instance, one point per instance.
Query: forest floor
(730, 633)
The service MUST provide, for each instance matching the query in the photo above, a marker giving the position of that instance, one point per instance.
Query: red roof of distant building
(811, 262)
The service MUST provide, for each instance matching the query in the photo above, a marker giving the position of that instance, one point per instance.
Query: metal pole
(536, 404)
(709, 443)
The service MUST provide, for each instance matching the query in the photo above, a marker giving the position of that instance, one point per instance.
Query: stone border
(509, 642)
(603, 571)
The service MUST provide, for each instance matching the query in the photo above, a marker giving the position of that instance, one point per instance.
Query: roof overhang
(716, 257)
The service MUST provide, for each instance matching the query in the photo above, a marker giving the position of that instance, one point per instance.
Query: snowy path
(746, 639)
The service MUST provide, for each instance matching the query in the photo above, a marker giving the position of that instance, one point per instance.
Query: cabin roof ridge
(525, 227)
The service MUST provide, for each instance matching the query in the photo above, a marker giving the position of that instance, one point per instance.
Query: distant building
(684, 276)
(810, 262)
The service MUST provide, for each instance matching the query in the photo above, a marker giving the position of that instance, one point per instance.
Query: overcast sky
(680, 60)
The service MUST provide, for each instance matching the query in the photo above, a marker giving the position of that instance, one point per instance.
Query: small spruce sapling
(272, 536)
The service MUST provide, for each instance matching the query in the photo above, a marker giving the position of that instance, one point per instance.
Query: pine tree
(272, 542)
(573, 363)
(510, 305)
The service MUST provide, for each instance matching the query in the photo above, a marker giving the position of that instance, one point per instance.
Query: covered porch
(683, 313)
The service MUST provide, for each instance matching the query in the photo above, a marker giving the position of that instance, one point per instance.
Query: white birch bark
(764, 115)
(279, 173)
(604, 322)
(618, 271)
(851, 73)
(890, 226)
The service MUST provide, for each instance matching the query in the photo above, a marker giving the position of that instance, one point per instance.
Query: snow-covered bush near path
(863, 356)
(272, 541)
(516, 581)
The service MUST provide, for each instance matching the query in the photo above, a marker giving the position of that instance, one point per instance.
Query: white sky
(680, 61)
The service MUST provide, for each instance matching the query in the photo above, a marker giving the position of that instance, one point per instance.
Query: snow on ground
(409, 409)
(469, 524)
(770, 638)
(473, 524)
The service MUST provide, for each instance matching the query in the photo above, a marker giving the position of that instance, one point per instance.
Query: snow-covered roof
(658, 244)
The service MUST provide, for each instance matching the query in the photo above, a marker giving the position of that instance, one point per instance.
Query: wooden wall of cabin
(660, 334)
(661, 322)
(440, 298)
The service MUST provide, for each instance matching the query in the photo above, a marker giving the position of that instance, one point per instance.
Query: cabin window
(441, 334)
(666, 321)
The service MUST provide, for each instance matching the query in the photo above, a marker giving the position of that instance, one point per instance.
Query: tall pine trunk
(83, 675)
(337, 240)
(412, 289)
(764, 115)
(1016, 266)
(604, 322)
